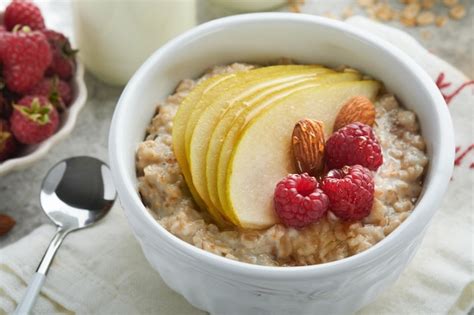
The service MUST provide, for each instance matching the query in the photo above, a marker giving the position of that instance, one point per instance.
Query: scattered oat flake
(411, 10)
(410, 22)
(384, 12)
(411, 13)
(396, 15)
(450, 3)
(295, 8)
(427, 4)
(425, 18)
(457, 12)
(441, 20)
(295, 5)
(366, 3)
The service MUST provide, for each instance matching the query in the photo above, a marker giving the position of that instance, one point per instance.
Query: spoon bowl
(77, 192)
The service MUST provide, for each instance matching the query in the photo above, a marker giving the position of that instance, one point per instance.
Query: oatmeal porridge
(397, 182)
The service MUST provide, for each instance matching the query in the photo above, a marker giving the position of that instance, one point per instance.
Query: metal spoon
(76, 193)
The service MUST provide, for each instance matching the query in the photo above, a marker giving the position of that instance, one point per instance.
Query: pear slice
(179, 127)
(215, 101)
(225, 120)
(238, 81)
(262, 155)
(233, 131)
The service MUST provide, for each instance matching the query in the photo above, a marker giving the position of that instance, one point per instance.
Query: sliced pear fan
(231, 134)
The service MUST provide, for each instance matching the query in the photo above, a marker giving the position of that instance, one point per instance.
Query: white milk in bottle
(116, 36)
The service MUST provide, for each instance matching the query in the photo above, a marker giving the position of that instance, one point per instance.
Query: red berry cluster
(354, 144)
(36, 65)
(347, 190)
(299, 201)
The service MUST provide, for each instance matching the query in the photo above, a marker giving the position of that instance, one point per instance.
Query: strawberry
(34, 119)
(8, 144)
(64, 63)
(56, 90)
(26, 55)
(24, 13)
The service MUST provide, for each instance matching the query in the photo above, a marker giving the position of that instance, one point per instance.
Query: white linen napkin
(102, 270)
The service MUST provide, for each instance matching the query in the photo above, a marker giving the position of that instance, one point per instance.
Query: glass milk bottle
(115, 37)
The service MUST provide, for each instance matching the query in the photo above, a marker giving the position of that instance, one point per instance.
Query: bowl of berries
(42, 86)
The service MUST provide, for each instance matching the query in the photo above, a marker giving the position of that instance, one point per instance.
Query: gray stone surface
(19, 190)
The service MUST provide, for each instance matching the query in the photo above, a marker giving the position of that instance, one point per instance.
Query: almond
(357, 109)
(6, 224)
(308, 146)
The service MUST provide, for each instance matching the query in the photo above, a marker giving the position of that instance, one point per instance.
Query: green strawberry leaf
(36, 112)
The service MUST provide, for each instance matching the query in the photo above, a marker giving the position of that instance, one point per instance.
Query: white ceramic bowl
(224, 286)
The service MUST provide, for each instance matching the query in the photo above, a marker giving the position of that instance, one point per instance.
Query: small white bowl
(224, 286)
(33, 153)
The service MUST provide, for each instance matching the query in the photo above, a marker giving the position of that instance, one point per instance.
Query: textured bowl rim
(423, 212)
(44, 147)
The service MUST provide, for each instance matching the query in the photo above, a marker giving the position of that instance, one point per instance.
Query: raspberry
(8, 144)
(57, 91)
(64, 63)
(26, 55)
(3, 35)
(299, 201)
(350, 191)
(24, 13)
(354, 144)
(33, 119)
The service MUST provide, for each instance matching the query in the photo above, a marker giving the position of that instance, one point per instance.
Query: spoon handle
(31, 294)
(39, 277)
